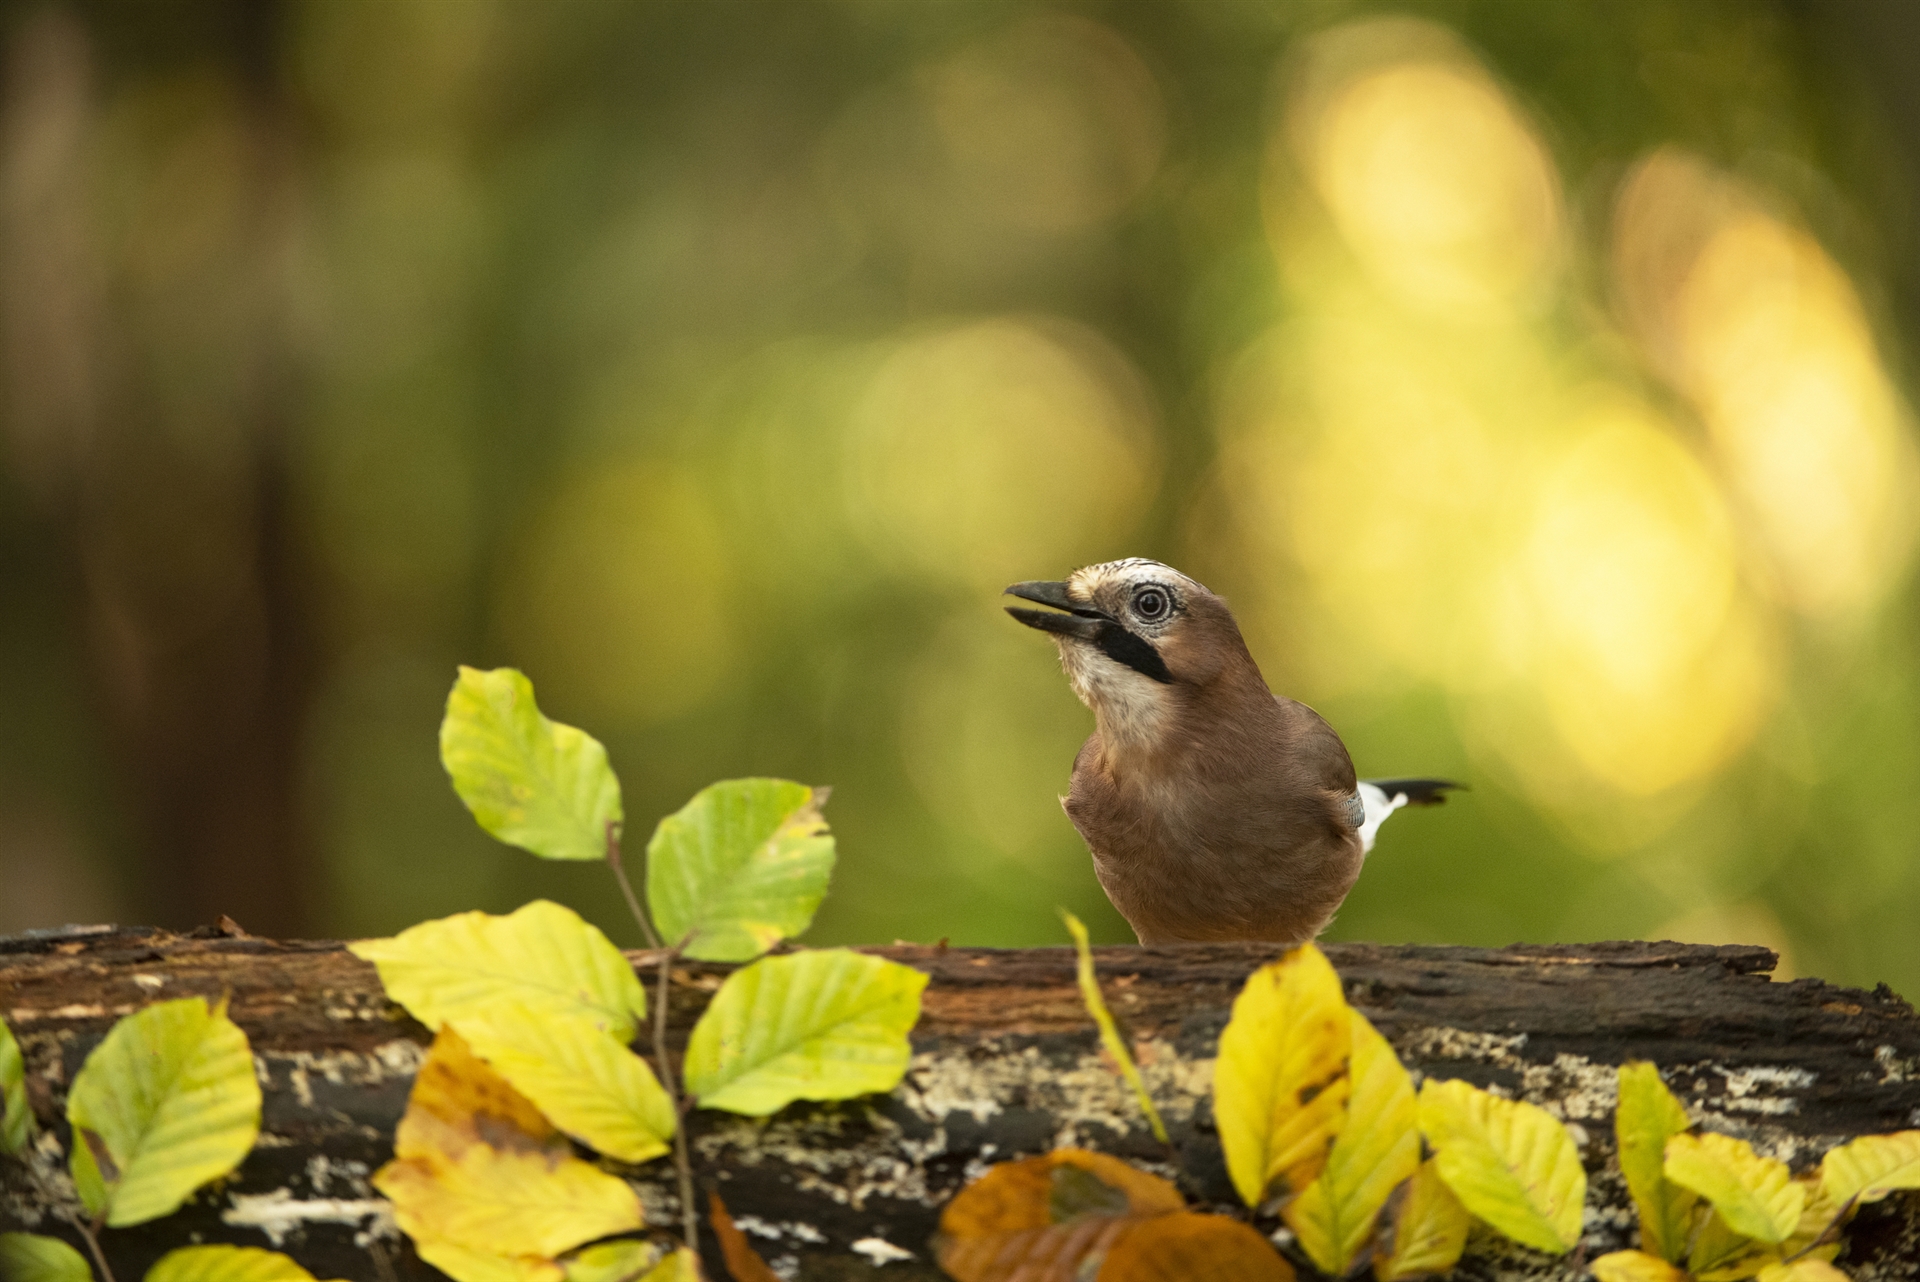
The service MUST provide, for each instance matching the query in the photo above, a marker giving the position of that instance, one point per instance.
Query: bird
(1214, 809)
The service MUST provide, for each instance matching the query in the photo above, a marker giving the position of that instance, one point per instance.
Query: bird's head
(1132, 633)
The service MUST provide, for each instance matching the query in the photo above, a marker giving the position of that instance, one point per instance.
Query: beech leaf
(1280, 1083)
(464, 1264)
(1429, 1229)
(1756, 1196)
(1636, 1266)
(1647, 1117)
(1377, 1149)
(531, 782)
(742, 1260)
(543, 956)
(740, 867)
(33, 1257)
(820, 1025)
(226, 1264)
(1869, 1168)
(1806, 1269)
(16, 1119)
(1510, 1163)
(165, 1103)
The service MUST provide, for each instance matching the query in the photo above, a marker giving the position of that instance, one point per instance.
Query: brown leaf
(1186, 1247)
(742, 1260)
(458, 1099)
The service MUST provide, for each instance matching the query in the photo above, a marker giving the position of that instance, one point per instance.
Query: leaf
(1280, 1083)
(1867, 1169)
(822, 1025)
(31, 1257)
(1109, 1031)
(468, 1174)
(1803, 1270)
(742, 1260)
(1045, 1216)
(1648, 1116)
(1636, 1266)
(739, 868)
(1510, 1163)
(226, 1264)
(1719, 1254)
(464, 1264)
(1755, 1195)
(169, 1100)
(589, 1085)
(16, 1118)
(542, 955)
(681, 1265)
(1377, 1149)
(1429, 1229)
(531, 782)
(1185, 1247)
(625, 1260)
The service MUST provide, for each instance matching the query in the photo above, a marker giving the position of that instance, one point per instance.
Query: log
(1006, 1065)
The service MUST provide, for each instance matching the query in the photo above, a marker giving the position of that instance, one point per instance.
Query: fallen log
(1006, 1065)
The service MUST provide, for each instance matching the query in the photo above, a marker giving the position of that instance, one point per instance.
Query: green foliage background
(716, 363)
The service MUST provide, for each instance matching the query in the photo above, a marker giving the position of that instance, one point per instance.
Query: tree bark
(1006, 1065)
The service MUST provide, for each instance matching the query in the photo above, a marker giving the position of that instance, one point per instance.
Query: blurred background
(1534, 378)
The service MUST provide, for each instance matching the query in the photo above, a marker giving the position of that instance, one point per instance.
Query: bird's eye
(1151, 604)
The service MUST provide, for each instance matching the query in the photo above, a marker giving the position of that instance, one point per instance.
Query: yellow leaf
(1280, 1083)
(464, 1264)
(226, 1264)
(1510, 1163)
(1755, 1195)
(542, 955)
(1647, 1118)
(1377, 1149)
(473, 1171)
(624, 1260)
(679, 1266)
(1718, 1254)
(1805, 1270)
(591, 1086)
(1429, 1230)
(1636, 1266)
(1109, 1031)
(1869, 1168)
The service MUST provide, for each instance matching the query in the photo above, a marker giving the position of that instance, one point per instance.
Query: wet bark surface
(1006, 1065)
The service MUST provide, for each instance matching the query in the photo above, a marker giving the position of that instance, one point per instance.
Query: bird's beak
(1079, 620)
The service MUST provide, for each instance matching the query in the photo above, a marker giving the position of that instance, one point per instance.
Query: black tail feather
(1420, 792)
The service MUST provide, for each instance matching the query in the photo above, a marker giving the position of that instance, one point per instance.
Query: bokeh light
(1534, 380)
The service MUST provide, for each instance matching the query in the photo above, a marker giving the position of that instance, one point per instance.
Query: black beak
(1079, 620)
(1088, 624)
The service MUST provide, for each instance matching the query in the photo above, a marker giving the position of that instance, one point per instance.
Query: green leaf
(1376, 1150)
(739, 868)
(1755, 1195)
(1649, 1116)
(531, 782)
(622, 1261)
(1429, 1230)
(166, 1102)
(589, 1085)
(16, 1119)
(1110, 1038)
(1510, 1163)
(1280, 1083)
(226, 1264)
(542, 956)
(1869, 1168)
(819, 1025)
(29, 1257)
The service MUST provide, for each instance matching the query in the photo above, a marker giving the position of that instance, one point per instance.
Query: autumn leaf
(1429, 1229)
(1869, 1168)
(1755, 1195)
(226, 1264)
(1110, 1038)
(742, 1260)
(1648, 1116)
(1636, 1266)
(1280, 1084)
(1377, 1149)
(1510, 1163)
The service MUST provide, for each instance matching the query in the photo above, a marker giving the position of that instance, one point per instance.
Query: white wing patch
(1376, 806)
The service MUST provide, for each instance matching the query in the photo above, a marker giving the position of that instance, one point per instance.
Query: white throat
(1131, 708)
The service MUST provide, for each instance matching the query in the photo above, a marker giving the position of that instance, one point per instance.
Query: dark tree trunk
(1006, 1065)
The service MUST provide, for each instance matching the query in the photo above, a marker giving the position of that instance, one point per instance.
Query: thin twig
(90, 1233)
(682, 1158)
(626, 887)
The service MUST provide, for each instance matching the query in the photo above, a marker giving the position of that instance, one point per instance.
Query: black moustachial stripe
(1123, 646)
